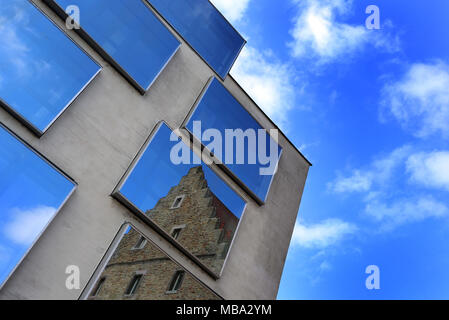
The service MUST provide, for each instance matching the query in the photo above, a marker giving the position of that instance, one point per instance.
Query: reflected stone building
(195, 217)
(138, 270)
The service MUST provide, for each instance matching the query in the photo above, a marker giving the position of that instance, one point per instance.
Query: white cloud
(430, 169)
(318, 32)
(357, 182)
(323, 234)
(386, 201)
(233, 10)
(420, 99)
(377, 173)
(268, 81)
(404, 211)
(26, 225)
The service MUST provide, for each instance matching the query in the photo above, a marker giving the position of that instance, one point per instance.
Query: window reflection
(130, 34)
(205, 29)
(148, 274)
(41, 69)
(219, 110)
(209, 211)
(31, 192)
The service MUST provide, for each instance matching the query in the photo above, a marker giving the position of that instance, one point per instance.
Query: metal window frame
(61, 172)
(27, 123)
(116, 194)
(136, 281)
(106, 56)
(96, 275)
(176, 274)
(191, 46)
(219, 162)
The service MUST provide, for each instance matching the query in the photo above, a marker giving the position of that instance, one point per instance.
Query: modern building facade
(101, 103)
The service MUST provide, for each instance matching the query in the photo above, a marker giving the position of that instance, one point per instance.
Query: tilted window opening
(177, 203)
(140, 244)
(134, 284)
(176, 282)
(98, 287)
(176, 232)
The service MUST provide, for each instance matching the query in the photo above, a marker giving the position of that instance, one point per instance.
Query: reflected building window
(205, 29)
(176, 282)
(177, 203)
(98, 287)
(127, 34)
(218, 109)
(209, 210)
(147, 274)
(140, 244)
(41, 70)
(134, 284)
(31, 193)
(176, 231)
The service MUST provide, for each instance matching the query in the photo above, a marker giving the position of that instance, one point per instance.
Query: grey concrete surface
(94, 142)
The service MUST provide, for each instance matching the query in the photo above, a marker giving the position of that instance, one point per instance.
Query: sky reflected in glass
(41, 69)
(209, 212)
(205, 29)
(219, 110)
(31, 191)
(129, 33)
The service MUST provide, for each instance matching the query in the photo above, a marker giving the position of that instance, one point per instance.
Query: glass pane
(154, 268)
(129, 33)
(31, 192)
(210, 209)
(41, 69)
(205, 29)
(219, 110)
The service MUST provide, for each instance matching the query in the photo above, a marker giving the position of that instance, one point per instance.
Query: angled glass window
(129, 35)
(149, 274)
(245, 149)
(210, 210)
(31, 193)
(41, 70)
(205, 29)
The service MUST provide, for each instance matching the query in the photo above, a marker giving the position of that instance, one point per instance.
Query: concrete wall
(94, 142)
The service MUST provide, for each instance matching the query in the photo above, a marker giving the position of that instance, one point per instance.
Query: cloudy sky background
(370, 109)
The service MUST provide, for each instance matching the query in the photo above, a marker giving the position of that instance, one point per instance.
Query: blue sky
(22, 219)
(370, 109)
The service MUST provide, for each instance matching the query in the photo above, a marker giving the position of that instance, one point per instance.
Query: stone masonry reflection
(206, 226)
(196, 218)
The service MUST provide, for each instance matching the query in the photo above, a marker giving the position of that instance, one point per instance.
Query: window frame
(176, 282)
(116, 194)
(96, 275)
(175, 31)
(19, 117)
(217, 161)
(134, 284)
(44, 229)
(142, 242)
(106, 56)
(175, 228)
(180, 202)
(98, 287)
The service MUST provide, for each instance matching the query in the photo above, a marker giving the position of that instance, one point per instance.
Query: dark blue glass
(209, 208)
(205, 29)
(41, 69)
(219, 110)
(31, 193)
(130, 34)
